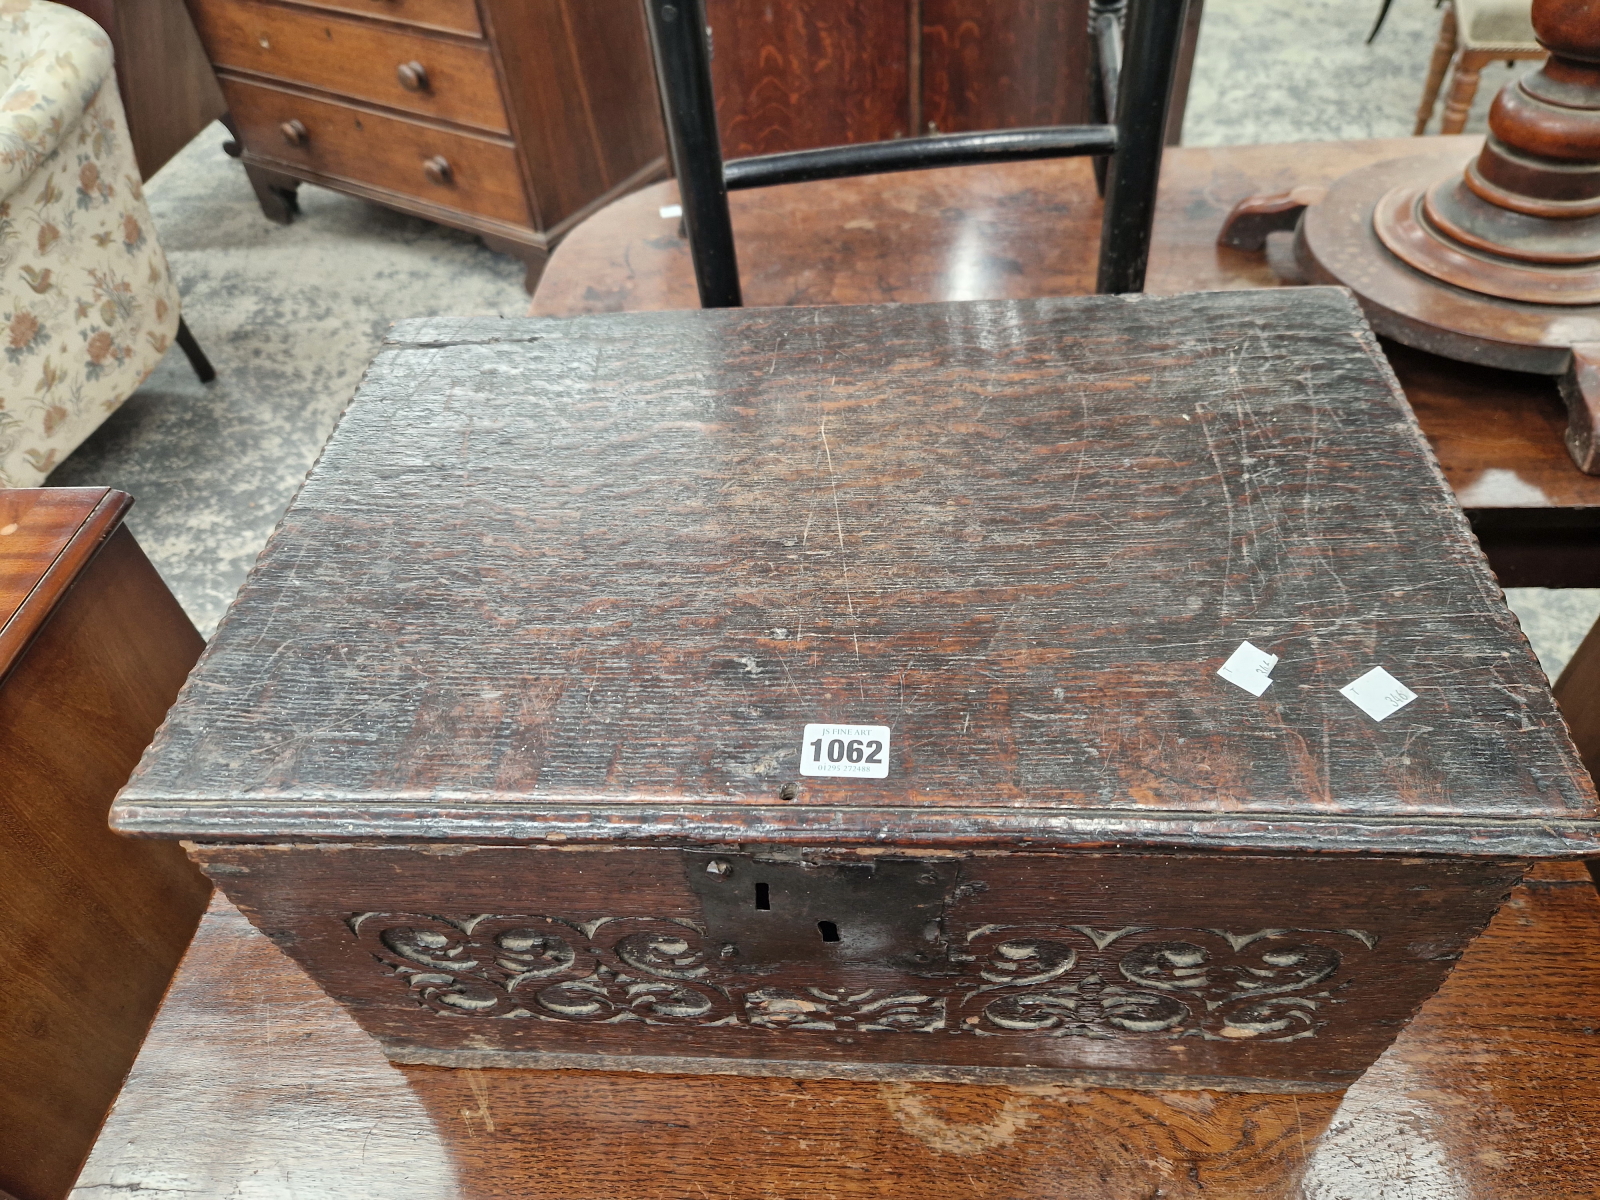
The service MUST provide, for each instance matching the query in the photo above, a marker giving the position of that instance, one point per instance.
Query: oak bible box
(836, 691)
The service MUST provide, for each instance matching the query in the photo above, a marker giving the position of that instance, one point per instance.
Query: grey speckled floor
(291, 315)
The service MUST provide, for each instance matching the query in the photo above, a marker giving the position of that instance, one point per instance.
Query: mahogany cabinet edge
(103, 518)
(652, 172)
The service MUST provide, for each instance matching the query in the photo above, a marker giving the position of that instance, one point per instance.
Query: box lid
(591, 579)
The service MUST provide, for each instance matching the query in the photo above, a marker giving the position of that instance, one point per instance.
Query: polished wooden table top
(253, 1082)
(46, 536)
(1029, 229)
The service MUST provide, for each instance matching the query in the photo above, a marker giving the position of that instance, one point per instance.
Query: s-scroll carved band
(1210, 983)
(1069, 981)
(612, 970)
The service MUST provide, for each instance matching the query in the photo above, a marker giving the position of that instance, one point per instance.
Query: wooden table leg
(1443, 50)
(1463, 87)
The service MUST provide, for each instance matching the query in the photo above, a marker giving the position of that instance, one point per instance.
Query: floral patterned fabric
(87, 305)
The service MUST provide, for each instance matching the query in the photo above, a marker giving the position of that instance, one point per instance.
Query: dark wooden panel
(1002, 64)
(455, 16)
(1031, 229)
(582, 99)
(254, 1080)
(1039, 633)
(168, 91)
(383, 151)
(1092, 965)
(91, 925)
(805, 73)
(358, 59)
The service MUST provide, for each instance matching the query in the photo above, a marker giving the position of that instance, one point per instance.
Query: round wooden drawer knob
(294, 133)
(413, 76)
(437, 169)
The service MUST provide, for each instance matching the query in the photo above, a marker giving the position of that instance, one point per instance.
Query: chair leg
(1443, 51)
(683, 73)
(1105, 67)
(196, 356)
(1463, 87)
(1150, 60)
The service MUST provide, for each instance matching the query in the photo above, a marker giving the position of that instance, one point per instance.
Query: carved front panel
(1178, 970)
(1062, 981)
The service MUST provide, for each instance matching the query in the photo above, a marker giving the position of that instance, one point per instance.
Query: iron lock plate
(761, 913)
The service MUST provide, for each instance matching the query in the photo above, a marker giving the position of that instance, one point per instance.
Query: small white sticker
(1249, 667)
(1378, 694)
(856, 751)
(669, 211)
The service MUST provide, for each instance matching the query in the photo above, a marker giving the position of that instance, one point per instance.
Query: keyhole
(828, 930)
(763, 900)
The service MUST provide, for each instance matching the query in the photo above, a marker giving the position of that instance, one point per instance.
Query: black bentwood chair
(1134, 83)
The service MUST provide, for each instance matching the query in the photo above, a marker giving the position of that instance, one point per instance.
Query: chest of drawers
(510, 118)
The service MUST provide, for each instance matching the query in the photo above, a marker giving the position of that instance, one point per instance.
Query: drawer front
(456, 16)
(340, 140)
(358, 59)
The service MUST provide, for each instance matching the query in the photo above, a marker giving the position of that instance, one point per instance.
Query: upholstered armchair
(87, 306)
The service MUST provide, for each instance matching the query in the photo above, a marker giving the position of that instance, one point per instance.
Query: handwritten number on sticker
(1378, 694)
(1250, 668)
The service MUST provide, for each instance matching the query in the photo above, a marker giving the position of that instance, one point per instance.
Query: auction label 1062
(854, 751)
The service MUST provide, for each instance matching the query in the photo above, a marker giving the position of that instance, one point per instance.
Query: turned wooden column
(1493, 261)
(1522, 222)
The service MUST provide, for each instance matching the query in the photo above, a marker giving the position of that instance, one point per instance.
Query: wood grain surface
(46, 537)
(1023, 534)
(581, 99)
(355, 58)
(454, 16)
(1003, 64)
(1256, 973)
(254, 1081)
(91, 925)
(383, 150)
(813, 73)
(1022, 230)
(1001, 231)
(1339, 242)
